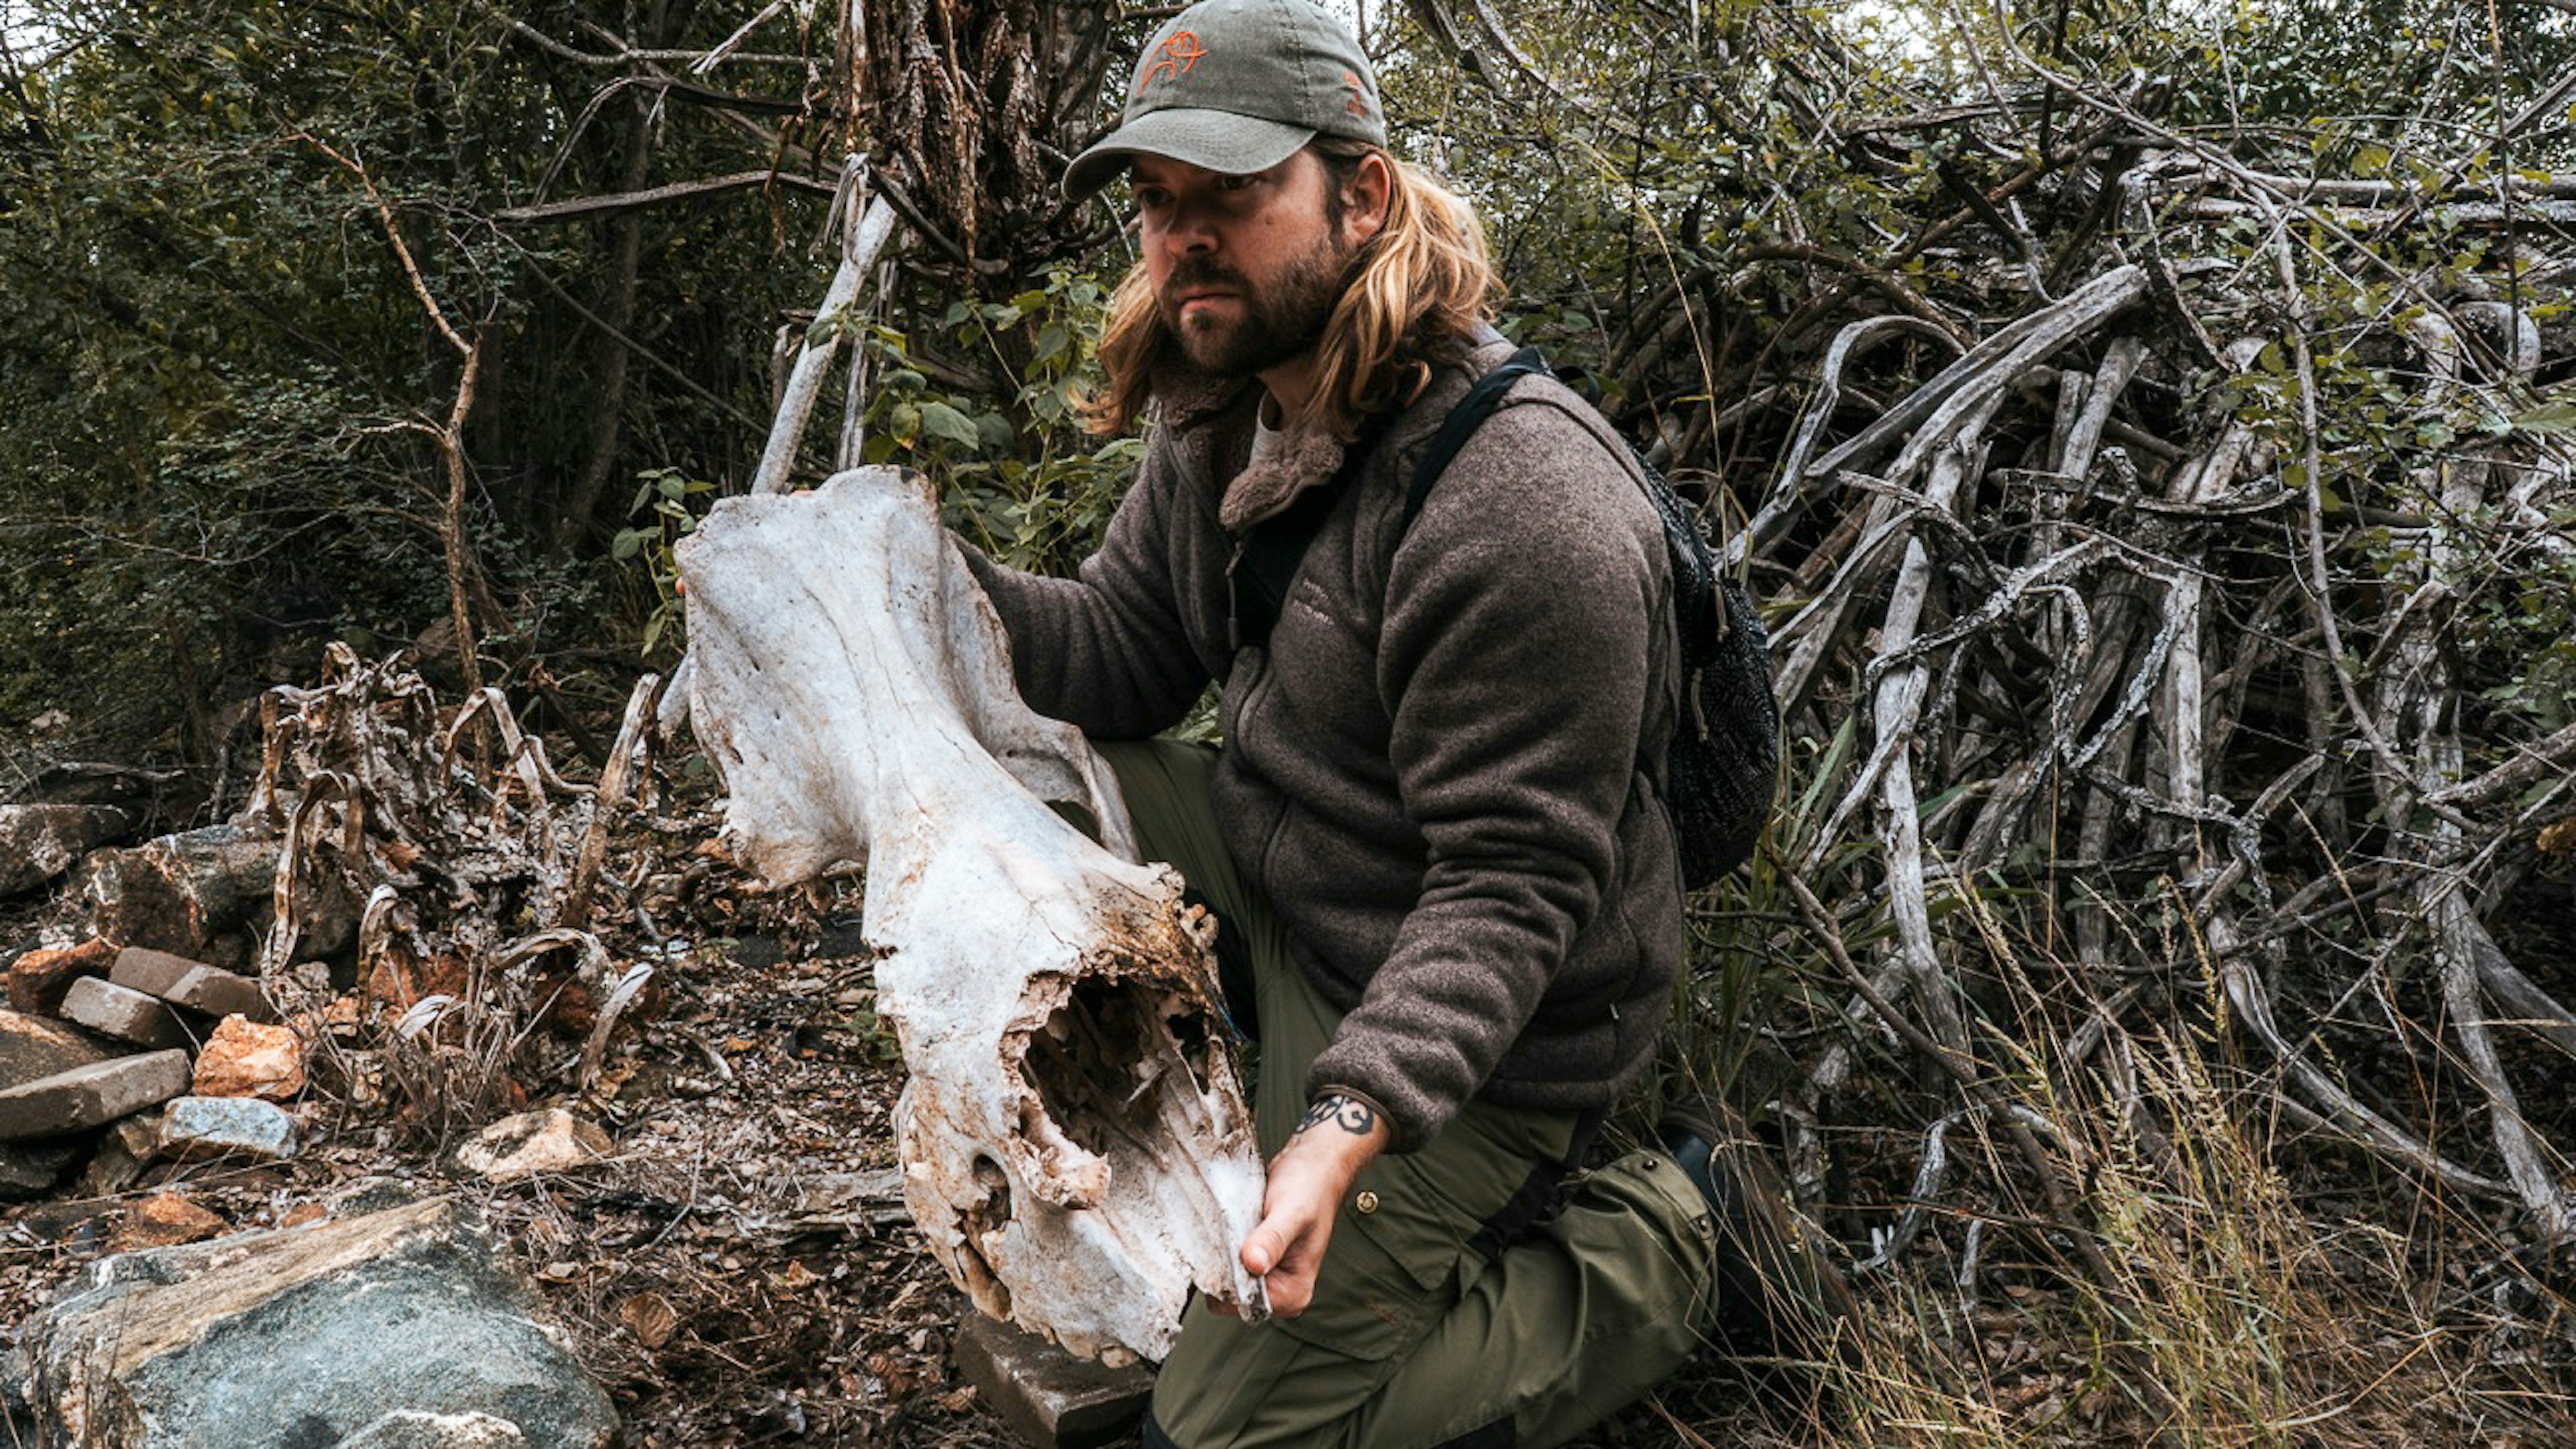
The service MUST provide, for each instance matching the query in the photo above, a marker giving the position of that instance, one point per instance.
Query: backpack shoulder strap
(1267, 559)
(1464, 418)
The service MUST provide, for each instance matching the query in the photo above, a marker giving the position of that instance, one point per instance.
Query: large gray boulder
(189, 894)
(301, 1338)
(41, 842)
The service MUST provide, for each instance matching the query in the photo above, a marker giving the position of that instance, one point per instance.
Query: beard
(1270, 325)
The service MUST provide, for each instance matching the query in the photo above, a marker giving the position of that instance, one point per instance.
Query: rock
(1053, 1400)
(192, 984)
(32, 1048)
(308, 1337)
(363, 1195)
(40, 842)
(80, 1227)
(92, 1096)
(123, 1152)
(246, 1059)
(165, 1220)
(112, 1010)
(200, 1127)
(413, 1429)
(546, 1141)
(30, 1169)
(38, 979)
(187, 893)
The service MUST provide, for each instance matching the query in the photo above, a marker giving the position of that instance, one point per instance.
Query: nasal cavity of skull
(988, 1214)
(991, 1212)
(1103, 1063)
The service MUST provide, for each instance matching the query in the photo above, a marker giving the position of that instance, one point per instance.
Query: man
(1435, 827)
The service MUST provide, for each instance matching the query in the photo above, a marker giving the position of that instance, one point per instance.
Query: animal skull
(1076, 1148)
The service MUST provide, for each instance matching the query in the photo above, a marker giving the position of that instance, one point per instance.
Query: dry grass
(2234, 1318)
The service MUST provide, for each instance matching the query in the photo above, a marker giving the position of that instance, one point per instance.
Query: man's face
(1246, 269)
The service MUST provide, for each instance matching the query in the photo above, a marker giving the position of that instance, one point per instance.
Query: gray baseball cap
(1237, 86)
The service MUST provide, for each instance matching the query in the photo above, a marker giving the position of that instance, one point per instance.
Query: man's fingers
(1288, 1295)
(1284, 1252)
(1264, 1248)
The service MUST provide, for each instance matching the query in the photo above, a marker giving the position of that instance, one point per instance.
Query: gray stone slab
(194, 1128)
(32, 1048)
(91, 1096)
(192, 984)
(304, 1337)
(129, 1016)
(1049, 1398)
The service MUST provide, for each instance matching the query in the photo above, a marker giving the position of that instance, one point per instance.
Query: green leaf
(940, 420)
(2549, 420)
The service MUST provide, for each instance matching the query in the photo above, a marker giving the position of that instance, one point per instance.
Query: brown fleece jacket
(1445, 770)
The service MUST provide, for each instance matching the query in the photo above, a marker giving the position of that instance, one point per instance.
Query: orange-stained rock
(303, 1213)
(38, 979)
(246, 1059)
(345, 1016)
(398, 981)
(165, 1220)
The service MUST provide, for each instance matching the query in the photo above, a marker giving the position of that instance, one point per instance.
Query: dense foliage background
(210, 355)
(2240, 702)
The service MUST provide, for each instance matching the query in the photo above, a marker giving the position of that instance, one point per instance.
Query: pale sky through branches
(28, 39)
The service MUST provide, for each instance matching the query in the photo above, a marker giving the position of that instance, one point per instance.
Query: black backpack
(1726, 743)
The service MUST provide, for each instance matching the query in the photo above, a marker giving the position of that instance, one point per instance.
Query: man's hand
(1341, 1135)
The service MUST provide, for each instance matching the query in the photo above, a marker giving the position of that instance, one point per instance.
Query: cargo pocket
(1393, 1266)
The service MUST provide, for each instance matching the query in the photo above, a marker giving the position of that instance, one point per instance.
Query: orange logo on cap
(1179, 53)
(1356, 105)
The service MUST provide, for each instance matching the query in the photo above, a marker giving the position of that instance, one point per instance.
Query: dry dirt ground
(740, 1271)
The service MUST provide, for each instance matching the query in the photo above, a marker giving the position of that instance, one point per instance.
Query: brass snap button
(1366, 1202)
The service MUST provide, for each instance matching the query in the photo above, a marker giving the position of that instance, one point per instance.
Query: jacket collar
(1304, 457)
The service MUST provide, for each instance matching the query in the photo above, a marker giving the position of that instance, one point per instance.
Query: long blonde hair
(1413, 298)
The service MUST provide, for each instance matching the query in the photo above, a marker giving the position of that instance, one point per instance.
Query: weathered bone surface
(1076, 1146)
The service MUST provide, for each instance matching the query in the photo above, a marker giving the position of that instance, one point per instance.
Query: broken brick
(91, 1096)
(1054, 1400)
(192, 984)
(112, 1010)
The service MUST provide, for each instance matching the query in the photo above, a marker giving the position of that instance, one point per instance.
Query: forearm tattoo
(1350, 1114)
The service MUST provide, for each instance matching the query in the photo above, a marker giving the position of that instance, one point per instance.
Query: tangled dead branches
(462, 867)
(2167, 532)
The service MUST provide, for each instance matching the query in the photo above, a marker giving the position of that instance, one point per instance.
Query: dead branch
(585, 208)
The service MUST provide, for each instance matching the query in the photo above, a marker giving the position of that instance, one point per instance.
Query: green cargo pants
(1421, 1334)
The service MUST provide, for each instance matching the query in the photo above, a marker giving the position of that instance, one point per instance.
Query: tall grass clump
(2230, 1318)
